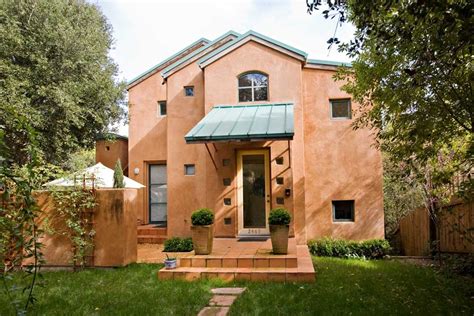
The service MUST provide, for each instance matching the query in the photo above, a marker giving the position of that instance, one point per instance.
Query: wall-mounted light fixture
(136, 171)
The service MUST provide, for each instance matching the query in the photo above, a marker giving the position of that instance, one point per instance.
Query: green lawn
(342, 287)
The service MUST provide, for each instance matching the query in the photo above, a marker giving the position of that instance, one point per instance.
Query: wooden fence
(454, 232)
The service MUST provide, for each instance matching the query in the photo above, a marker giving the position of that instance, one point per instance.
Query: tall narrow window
(158, 201)
(253, 87)
(161, 108)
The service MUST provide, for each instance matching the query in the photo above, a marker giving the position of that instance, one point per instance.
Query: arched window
(253, 86)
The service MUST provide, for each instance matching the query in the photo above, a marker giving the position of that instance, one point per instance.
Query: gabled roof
(180, 63)
(210, 52)
(201, 41)
(251, 36)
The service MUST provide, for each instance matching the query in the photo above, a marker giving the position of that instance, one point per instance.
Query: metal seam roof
(244, 123)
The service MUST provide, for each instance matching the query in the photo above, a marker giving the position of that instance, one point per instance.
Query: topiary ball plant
(202, 217)
(279, 216)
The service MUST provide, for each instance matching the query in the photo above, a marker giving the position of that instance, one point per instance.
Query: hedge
(329, 247)
(177, 244)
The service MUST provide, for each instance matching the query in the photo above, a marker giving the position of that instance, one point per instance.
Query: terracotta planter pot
(202, 239)
(279, 235)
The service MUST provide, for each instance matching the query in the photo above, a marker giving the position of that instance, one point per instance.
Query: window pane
(341, 109)
(189, 170)
(260, 94)
(259, 79)
(162, 108)
(189, 91)
(245, 81)
(158, 193)
(157, 174)
(343, 210)
(158, 213)
(245, 95)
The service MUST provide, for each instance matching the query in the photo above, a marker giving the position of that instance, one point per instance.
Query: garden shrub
(329, 247)
(279, 216)
(201, 217)
(177, 244)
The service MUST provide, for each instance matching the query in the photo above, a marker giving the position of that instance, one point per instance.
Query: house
(243, 124)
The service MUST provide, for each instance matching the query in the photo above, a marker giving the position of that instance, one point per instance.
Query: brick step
(152, 231)
(242, 261)
(302, 274)
(151, 239)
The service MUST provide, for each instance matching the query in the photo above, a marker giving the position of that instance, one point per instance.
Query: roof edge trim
(206, 60)
(168, 71)
(132, 82)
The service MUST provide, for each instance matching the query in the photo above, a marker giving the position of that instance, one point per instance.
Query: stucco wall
(185, 193)
(114, 222)
(147, 133)
(107, 153)
(340, 164)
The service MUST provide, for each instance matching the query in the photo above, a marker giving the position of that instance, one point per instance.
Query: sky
(148, 31)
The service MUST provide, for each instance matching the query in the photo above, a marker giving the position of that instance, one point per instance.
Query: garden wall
(114, 223)
(455, 232)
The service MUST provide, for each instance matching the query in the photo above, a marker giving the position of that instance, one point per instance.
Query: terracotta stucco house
(243, 124)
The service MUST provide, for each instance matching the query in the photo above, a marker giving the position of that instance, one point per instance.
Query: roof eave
(168, 71)
(156, 68)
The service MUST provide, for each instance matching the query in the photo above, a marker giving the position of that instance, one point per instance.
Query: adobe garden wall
(114, 222)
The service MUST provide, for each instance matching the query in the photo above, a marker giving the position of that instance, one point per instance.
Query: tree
(413, 75)
(56, 77)
(118, 175)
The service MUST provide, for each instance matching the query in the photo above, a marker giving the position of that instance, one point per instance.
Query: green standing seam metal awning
(244, 123)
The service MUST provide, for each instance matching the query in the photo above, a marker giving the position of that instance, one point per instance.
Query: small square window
(279, 160)
(280, 180)
(189, 170)
(341, 109)
(189, 91)
(280, 200)
(343, 211)
(227, 201)
(227, 220)
(226, 182)
(226, 162)
(162, 108)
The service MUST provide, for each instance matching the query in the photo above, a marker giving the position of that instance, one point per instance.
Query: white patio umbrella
(103, 178)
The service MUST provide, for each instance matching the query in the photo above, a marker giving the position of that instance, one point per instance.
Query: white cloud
(147, 32)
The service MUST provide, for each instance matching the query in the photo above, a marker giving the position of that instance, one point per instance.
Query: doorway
(253, 191)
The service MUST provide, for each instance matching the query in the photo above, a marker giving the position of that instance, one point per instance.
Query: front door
(253, 180)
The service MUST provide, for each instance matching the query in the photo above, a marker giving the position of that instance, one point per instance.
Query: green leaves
(56, 76)
(279, 216)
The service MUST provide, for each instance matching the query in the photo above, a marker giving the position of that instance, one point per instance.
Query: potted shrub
(170, 263)
(202, 231)
(279, 221)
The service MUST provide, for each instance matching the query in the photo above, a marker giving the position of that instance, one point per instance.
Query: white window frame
(252, 86)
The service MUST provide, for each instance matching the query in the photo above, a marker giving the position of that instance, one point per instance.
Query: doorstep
(252, 261)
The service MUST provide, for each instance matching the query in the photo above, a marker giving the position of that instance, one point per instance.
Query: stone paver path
(221, 301)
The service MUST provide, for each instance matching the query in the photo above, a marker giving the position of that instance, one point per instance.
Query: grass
(342, 287)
